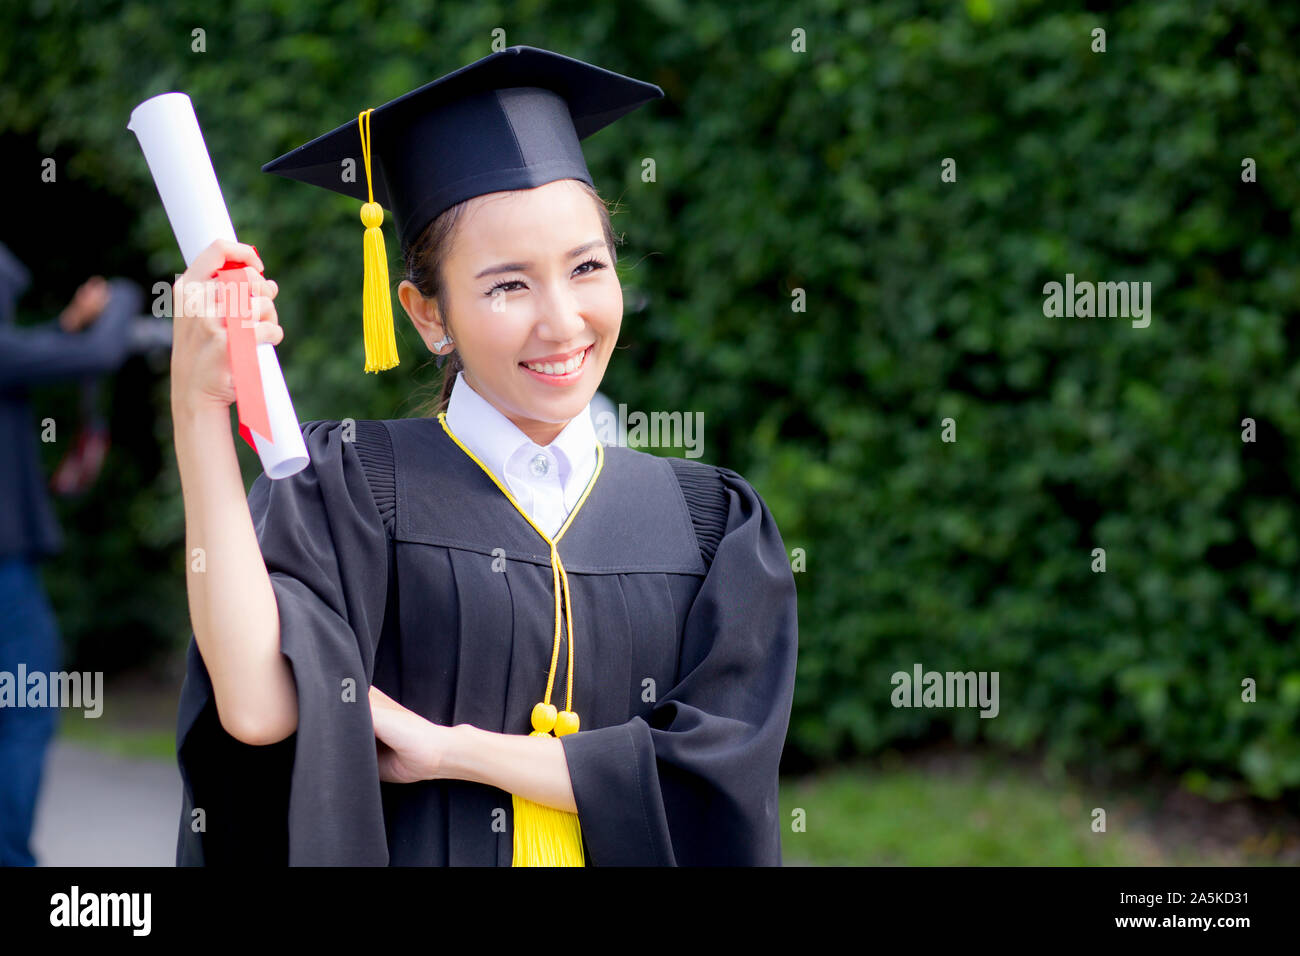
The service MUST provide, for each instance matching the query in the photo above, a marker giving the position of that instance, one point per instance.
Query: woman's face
(529, 283)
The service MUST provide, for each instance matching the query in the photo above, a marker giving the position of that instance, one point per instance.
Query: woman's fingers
(201, 371)
(379, 699)
(263, 310)
(197, 279)
(262, 332)
(221, 251)
(266, 332)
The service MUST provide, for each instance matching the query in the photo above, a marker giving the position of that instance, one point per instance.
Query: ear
(423, 312)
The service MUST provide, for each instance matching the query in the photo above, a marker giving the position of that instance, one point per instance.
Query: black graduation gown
(381, 554)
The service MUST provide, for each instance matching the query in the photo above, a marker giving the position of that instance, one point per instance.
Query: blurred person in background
(89, 338)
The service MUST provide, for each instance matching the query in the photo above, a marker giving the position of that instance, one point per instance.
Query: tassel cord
(376, 300)
(546, 836)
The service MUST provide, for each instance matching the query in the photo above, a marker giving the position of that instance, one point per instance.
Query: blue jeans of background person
(28, 634)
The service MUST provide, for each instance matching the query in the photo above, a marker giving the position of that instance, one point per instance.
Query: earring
(437, 346)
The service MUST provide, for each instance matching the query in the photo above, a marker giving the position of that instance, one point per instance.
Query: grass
(911, 818)
(138, 719)
(122, 741)
(984, 811)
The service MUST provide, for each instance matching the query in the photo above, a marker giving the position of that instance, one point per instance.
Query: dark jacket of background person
(35, 355)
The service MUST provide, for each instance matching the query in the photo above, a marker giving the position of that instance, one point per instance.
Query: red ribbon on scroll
(241, 344)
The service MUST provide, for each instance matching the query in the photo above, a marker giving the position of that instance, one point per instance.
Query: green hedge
(820, 171)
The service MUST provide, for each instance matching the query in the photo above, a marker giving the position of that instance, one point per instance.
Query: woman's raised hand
(200, 369)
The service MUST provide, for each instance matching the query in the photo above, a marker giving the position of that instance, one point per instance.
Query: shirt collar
(494, 438)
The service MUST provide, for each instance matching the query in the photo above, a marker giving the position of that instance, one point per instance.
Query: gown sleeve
(39, 354)
(313, 798)
(696, 783)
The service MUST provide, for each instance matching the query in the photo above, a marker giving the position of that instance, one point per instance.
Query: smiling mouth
(560, 369)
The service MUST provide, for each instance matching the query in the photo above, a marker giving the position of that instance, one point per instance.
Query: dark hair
(424, 264)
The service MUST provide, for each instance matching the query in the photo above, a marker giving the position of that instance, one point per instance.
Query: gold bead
(566, 723)
(544, 717)
(372, 215)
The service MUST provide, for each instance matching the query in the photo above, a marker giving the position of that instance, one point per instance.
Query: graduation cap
(511, 120)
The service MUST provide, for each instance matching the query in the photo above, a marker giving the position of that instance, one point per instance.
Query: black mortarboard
(512, 120)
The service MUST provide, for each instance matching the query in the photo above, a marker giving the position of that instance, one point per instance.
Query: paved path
(96, 809)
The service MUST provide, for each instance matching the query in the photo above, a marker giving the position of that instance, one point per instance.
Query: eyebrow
(525, 266)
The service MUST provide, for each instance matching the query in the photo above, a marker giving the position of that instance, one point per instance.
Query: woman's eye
(502, 287)
(506, 285)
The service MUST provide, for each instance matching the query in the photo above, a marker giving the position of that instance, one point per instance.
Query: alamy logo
(656, 430)
(1125, 300)
(946, 689)
(75, 908)
(55, 689)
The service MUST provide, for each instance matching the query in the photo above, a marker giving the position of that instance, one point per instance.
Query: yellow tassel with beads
(376, 300)
(545, 836)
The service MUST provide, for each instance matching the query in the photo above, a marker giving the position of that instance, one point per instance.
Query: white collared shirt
(547, 482)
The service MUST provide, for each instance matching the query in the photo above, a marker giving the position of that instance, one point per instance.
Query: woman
(376, 636)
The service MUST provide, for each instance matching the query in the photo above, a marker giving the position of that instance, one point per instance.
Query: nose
(561, 319)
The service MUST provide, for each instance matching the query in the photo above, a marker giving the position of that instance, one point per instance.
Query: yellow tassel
(545, 836)
(376, 300)
(377, 303)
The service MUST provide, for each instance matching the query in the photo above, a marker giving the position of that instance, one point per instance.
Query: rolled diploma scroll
(178, 158)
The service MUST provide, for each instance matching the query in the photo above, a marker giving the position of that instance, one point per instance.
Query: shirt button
(539, 466)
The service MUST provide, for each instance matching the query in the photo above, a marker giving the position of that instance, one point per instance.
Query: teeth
(549, 368)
